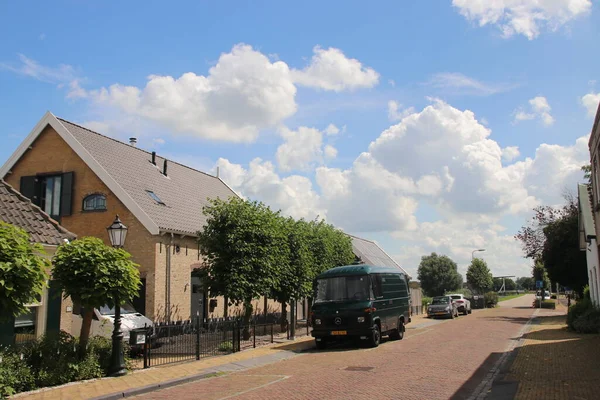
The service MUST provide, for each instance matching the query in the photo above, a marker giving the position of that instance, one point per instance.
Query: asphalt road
(437, 359)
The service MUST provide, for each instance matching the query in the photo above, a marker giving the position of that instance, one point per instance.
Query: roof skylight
(154, 197)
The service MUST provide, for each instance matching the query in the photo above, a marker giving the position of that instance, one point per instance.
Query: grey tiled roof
(370, 253)
(184, 190)
(18, 210)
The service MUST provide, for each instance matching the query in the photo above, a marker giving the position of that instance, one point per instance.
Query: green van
(360, 301)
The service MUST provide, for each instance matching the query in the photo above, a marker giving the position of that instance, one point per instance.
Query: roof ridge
(360, 238)
(37, 208)
(137, 148)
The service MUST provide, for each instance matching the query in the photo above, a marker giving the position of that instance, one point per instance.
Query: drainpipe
(168, 281)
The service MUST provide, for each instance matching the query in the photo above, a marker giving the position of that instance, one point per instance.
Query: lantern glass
(117, 233)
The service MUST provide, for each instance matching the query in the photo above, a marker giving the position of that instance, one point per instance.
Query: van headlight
(360, 319)
(317, 321)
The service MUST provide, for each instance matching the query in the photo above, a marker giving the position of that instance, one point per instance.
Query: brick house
(83, 179)
(589, 227)
(43, 316)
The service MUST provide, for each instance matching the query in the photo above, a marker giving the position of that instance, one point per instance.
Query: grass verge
(510, 297)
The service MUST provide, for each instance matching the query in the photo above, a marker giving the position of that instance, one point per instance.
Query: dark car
(442, 306)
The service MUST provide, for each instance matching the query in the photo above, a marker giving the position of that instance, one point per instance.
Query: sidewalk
(552, 362)
(143, 381)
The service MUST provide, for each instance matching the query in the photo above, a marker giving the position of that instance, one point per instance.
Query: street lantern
(117, 233)
(473, 253)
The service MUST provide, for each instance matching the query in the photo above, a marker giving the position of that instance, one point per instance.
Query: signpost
(539, 285)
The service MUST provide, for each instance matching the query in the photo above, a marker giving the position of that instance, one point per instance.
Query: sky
(427, 126)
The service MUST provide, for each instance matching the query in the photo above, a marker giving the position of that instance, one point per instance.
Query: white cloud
(330, 152)
(539, 109)
(332, 130)
(590, 102)
(158, 141)
(294, 195)
(301, 149)
(330, 69)
(523, 17)
(395, 113)
(462, 84)
(510, 153)
(242, 94)
(392, 82)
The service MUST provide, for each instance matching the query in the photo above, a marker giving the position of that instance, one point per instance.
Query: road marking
(481, 391)
(281, 378)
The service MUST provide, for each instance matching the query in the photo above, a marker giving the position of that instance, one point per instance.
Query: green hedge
(491, 299)
(425, 301)
(53, 360)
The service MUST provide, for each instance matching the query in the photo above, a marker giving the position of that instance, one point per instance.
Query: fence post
(254, 334)
(272, 333)
(238, 330)
(146, 350)
(197, 337)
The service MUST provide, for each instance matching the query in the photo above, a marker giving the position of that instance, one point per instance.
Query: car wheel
(470, 311)
(466, 311)
(452, 316)
(375, 337)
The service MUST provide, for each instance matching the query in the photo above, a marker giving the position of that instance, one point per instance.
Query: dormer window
(154, 197)
(94, 202)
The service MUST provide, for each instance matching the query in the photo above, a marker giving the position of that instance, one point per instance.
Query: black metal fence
(166, 343)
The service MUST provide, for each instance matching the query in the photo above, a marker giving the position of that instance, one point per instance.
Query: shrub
(491, 299)
(425, 301)
(588, 322)
(586, 292)
(15, 375)
(226, 346)
(577, 310)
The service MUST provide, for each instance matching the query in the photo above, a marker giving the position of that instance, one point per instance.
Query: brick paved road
(447, 359)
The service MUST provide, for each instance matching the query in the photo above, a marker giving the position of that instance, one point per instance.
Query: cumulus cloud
(395, 111)
(301, 150)
(523, 17)
(539, 108)
(332, 130)
(510, 153)
(590, 102)
(330, 69)
(242, 94)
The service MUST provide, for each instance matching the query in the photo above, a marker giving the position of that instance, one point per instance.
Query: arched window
(94, 202)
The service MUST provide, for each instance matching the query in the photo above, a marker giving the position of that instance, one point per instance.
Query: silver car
(442, 306)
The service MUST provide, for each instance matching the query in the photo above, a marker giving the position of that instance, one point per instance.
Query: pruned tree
(23, 271)
(438, 274)
(94, 275)
(539, 273)
(245, 246)
(479, 276)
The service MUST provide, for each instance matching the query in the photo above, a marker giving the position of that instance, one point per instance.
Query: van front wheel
(321, 344)
(398, 334)
(375, 337)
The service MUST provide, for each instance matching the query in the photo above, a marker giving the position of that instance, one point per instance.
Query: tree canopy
(479, 276)
(22, 271)
(438, 274)
(526, 282)
(93, 275)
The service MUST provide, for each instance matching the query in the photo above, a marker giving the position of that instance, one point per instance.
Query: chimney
(154, 158)
(217, 171)
(165, 168)
(132, 141)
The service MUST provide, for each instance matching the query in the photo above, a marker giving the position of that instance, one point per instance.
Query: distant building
(589, 213)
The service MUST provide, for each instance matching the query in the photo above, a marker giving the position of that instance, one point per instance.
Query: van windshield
(125, 309)
(342, 288)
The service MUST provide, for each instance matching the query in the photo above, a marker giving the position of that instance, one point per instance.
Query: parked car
(538, 294)
(442, 306)
(462, 303)
(103, 323)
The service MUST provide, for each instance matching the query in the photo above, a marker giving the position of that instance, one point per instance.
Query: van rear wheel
(398, 334)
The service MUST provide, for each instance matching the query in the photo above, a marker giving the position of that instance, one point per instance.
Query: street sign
(539, 284)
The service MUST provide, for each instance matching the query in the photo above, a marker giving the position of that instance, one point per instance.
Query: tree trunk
(225, 306)
(86, 327)
(283, 316)
(247, 315)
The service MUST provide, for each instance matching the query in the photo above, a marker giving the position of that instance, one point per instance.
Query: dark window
(342, 288)
(50, 193)
(377, 281)
(154, 197)
(94, 202)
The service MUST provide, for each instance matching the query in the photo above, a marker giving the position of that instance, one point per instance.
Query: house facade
(43, 316)
(589, 227)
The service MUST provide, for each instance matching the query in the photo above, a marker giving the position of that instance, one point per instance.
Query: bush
(577, 310)
(425, 301)
(226, 346)
(491, 299)
(586, 292)
(54, 360)
(15, 375)
(588, 322)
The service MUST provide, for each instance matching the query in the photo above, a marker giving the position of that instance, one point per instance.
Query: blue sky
(287, 71)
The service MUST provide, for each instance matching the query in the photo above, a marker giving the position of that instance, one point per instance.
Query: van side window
(377, 285)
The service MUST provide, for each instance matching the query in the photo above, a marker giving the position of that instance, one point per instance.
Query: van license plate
(338, 333)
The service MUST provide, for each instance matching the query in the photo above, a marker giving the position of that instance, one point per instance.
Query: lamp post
(473, 253)
(117, 233)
